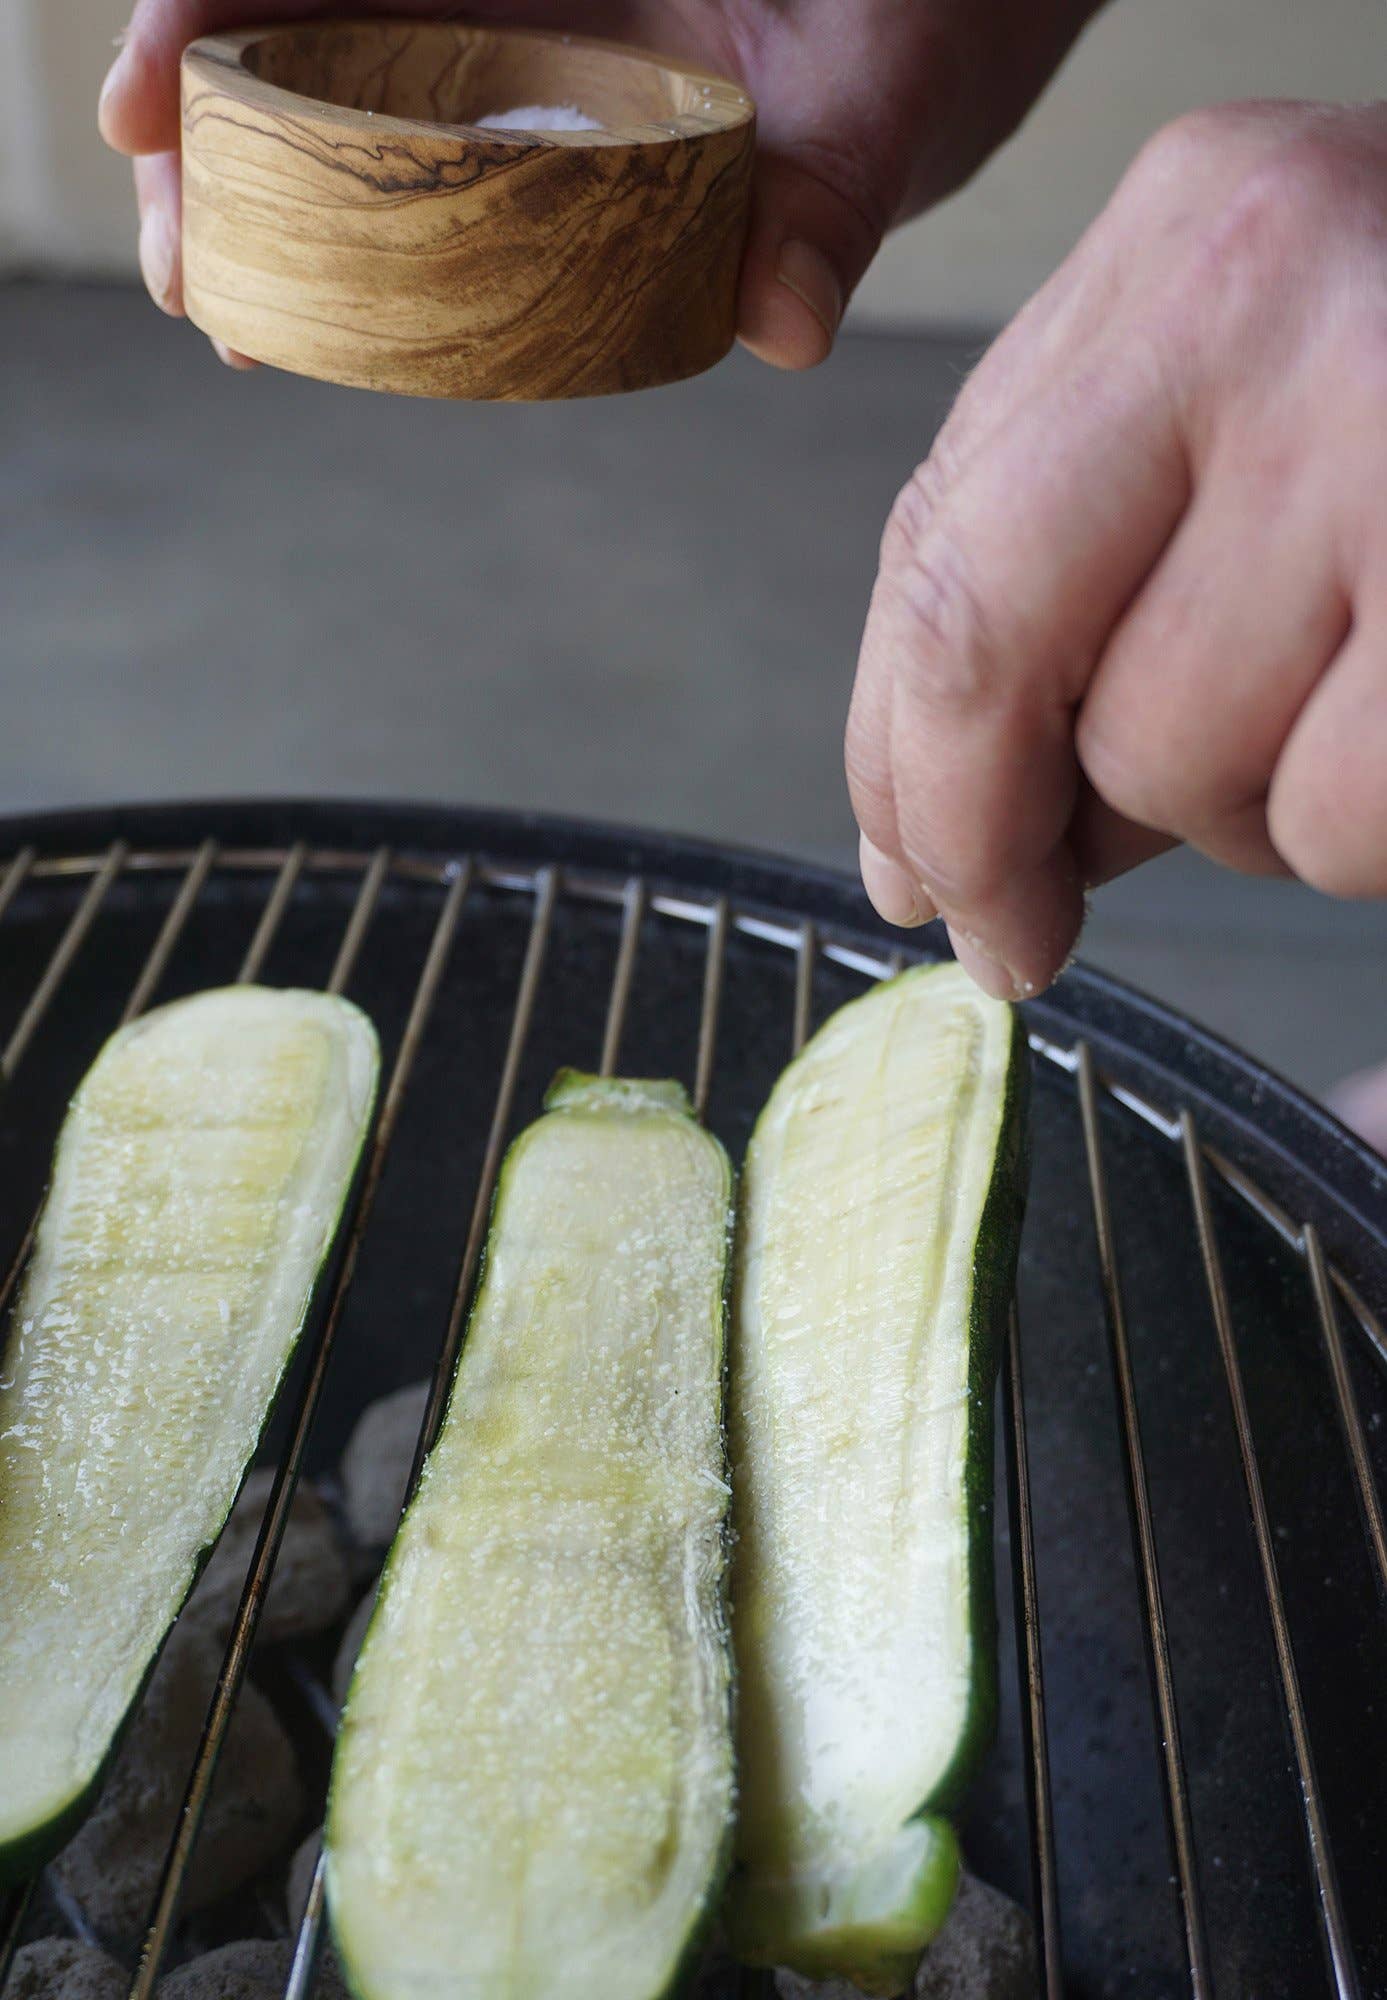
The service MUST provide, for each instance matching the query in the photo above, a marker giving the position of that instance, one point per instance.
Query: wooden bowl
(344, 219)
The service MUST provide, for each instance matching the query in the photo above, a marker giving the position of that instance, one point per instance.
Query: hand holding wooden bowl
(346, 216)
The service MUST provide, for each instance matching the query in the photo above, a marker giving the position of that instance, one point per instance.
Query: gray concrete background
(645, 609)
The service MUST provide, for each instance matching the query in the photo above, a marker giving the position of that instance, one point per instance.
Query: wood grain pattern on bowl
(343, 219)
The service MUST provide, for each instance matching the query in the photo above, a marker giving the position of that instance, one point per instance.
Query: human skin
(1137, 593)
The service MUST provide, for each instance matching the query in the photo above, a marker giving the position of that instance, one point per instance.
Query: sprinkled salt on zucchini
(197, 1185)
(878, 1227)
(532, 1789)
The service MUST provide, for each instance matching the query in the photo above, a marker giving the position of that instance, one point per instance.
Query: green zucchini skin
(871, 1929)
(26, 1849)
(994, 1287)
(364, 1805)
(870, 1923)
(22, 1857)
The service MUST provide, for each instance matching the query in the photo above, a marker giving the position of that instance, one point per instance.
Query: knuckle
(1241, 208)
(1177, 151)
(935, 601)
(1277, 206)
(1166, 155)
(920, 501)
(909, 521)
(1279, 216)
(847, 165)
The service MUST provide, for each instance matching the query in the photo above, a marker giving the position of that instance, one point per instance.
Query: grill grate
(702, 970)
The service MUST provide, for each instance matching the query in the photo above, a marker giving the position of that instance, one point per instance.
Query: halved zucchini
(532, 1789)
(197, 1185)
(878, 1228)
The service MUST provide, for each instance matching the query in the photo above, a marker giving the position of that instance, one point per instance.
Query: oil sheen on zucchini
(196, 1188)
(878, 1226)
(532, 1789)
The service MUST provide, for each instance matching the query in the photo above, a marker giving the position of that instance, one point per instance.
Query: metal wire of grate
(545, 893)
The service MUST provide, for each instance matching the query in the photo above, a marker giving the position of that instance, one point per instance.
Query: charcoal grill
(1190, 1783)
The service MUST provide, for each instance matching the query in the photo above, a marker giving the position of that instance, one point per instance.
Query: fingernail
(892, 894)
(114, 78)
(808, 274)
(983, 969)
(231, 357)
(156, 254)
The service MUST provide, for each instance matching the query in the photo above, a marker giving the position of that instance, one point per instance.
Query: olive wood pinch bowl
(345, 217)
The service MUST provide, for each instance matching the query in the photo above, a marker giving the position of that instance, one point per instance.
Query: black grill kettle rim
(1190, 1785)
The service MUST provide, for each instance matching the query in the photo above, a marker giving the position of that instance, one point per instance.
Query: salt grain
(540, 118)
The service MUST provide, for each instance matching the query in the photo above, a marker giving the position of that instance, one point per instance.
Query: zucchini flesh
(532, 1788)
(880, 1211)
(196, 1189)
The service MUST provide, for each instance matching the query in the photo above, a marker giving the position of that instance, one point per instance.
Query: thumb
(807, 246)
